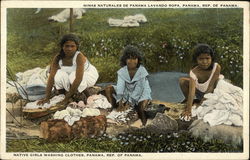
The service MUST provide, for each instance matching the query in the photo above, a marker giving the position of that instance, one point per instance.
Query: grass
(32, 41)
(127, 142)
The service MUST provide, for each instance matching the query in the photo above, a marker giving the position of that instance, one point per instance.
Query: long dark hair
(65, 38)
(203, 48)
(130, 52)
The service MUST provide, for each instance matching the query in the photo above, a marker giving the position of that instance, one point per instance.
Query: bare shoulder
(81, 57)
(195, 70)
(218, 69)
(218, 66)
(55, 59)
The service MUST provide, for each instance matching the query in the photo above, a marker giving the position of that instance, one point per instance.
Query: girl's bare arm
(53, 69)
(191, 95)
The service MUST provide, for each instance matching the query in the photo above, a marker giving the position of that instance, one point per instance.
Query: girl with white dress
(70, 71)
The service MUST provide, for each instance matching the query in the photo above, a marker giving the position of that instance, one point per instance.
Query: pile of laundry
(53, 102)
(64, 15)
(223, 106)
(75, 111)
(123, 117)
(128, 21)
(71, 115)
(35, 76)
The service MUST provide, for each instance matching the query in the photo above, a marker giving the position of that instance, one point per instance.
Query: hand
(63, 102)
(42, 101)
(123, 107)
(185, 116)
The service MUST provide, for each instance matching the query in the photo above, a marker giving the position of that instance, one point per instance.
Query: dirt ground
(17, 127)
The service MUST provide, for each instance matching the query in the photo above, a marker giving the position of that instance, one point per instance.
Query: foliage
(136, 141)
(167, 39)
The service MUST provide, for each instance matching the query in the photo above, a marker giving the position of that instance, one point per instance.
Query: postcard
(124, 80)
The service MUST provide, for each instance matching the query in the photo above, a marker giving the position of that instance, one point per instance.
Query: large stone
(229, 134)
(162, 124)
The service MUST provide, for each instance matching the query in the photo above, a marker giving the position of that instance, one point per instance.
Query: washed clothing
(223, 106)
(135, 90)
(65, 76)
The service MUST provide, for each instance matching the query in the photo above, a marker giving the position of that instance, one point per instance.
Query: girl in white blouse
(202, 78)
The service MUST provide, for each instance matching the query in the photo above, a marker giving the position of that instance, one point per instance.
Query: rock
(183, 125)
(229, 134)
(162, 124)
(115, 129)
(153, 109)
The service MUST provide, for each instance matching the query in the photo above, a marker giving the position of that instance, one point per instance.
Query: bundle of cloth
(71, 115)
(94, 101)
(128, 21)
(33, 77)
(64, 15)
(223, 106)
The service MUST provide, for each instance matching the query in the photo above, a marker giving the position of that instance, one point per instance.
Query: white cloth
(35, 76)
(63, 16)
(38, 10)
(53, 101)
(98, 101)
(71, 115)
(128, 21)
(223, 106)
(66, 75)
(119, 116)
(94, 101)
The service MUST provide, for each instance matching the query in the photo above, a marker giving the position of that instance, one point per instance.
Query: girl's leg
(79, 95)
(184, 85)
(109, 91)
(141, 111)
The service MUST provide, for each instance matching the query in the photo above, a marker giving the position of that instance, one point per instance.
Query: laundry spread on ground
(128, 21)
(36, 76)
(223, 106)
(53, 101)
(119, 116)
(94, 101)
(71, 115)
(98, 101)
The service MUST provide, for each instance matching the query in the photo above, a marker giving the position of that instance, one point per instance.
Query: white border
(79, 4)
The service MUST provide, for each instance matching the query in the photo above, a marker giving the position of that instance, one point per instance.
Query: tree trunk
(71, 20)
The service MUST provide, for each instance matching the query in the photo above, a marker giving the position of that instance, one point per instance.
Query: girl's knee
(184, 81)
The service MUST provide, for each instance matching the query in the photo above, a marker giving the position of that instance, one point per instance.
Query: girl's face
(69, 48)
(132, 62)
(204, 60)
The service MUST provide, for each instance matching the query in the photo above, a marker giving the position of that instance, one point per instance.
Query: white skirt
(63, 80)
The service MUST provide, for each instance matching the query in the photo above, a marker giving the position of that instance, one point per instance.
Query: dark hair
(130, 52)
(65, 38)
(203, 48)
